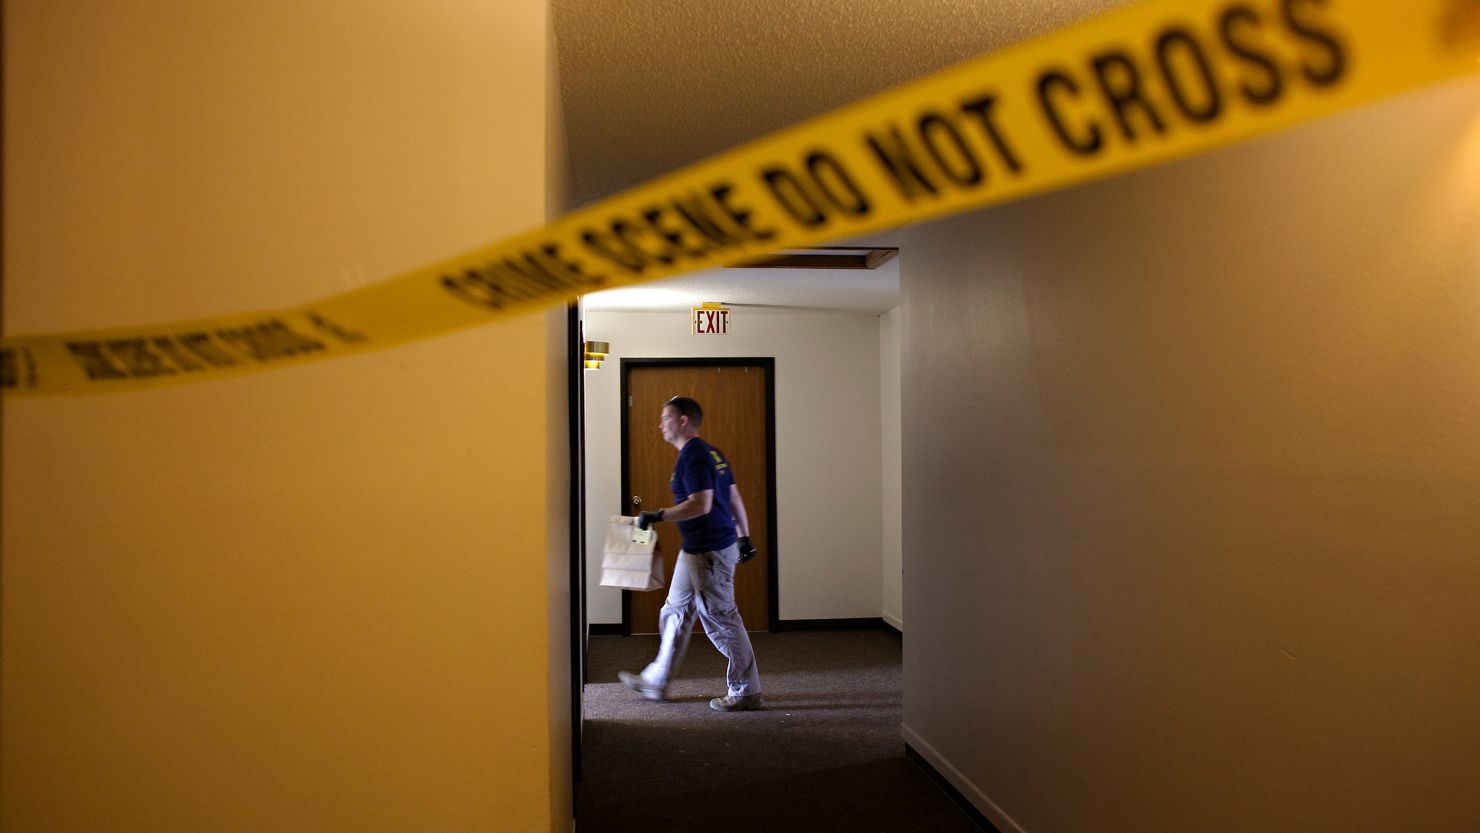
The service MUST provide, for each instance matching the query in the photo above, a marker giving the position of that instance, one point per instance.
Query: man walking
(708, 511)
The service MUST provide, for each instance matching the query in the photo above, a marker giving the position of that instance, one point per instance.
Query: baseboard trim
(971, 800)
(894, 622)
(864, 624)
(605, 629)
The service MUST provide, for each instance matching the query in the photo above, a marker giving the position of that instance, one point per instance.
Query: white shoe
(736, 703)
(641, 686)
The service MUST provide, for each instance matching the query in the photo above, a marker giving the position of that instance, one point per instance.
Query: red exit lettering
(711, 321)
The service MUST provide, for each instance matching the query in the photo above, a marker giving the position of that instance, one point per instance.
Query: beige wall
(892, 577)
(312, 599)
(1192, 488)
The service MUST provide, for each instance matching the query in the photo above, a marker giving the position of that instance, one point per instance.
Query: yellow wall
(324, 598)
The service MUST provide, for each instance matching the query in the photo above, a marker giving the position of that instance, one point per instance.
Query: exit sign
(710, 319)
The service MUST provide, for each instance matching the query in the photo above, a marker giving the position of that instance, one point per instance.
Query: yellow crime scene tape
(1145, 84)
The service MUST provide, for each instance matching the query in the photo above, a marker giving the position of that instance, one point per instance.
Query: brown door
(735, 409)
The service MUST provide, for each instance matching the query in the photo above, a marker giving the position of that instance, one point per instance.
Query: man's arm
(697, 504)
(742, 525)
(693, 506)
(742, 521)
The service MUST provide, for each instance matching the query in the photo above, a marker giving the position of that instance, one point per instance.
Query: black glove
(747, 549)
(647, 519)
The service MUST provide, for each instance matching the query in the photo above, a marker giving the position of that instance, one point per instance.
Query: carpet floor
(825, 754)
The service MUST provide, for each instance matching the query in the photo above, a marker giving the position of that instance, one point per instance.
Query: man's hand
(647, 519)
(747, 550)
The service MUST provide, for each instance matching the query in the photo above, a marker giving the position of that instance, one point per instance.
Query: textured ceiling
(872, 291)
(650, 85)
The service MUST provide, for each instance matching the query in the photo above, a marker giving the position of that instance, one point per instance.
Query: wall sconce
(596, 354)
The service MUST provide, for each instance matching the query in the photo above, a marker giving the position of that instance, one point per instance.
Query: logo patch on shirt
(719, 462)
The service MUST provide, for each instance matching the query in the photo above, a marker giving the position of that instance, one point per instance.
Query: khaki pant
(704, 586)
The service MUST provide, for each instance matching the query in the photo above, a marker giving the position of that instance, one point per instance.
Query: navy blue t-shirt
(701, 466)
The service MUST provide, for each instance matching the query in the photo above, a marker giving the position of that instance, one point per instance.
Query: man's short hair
(687, 407)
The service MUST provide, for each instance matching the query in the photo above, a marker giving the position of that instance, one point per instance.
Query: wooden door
(734, 399)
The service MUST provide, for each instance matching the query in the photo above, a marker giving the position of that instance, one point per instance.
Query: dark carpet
(825, 754)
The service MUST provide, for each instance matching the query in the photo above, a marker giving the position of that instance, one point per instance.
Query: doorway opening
(739, 400)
